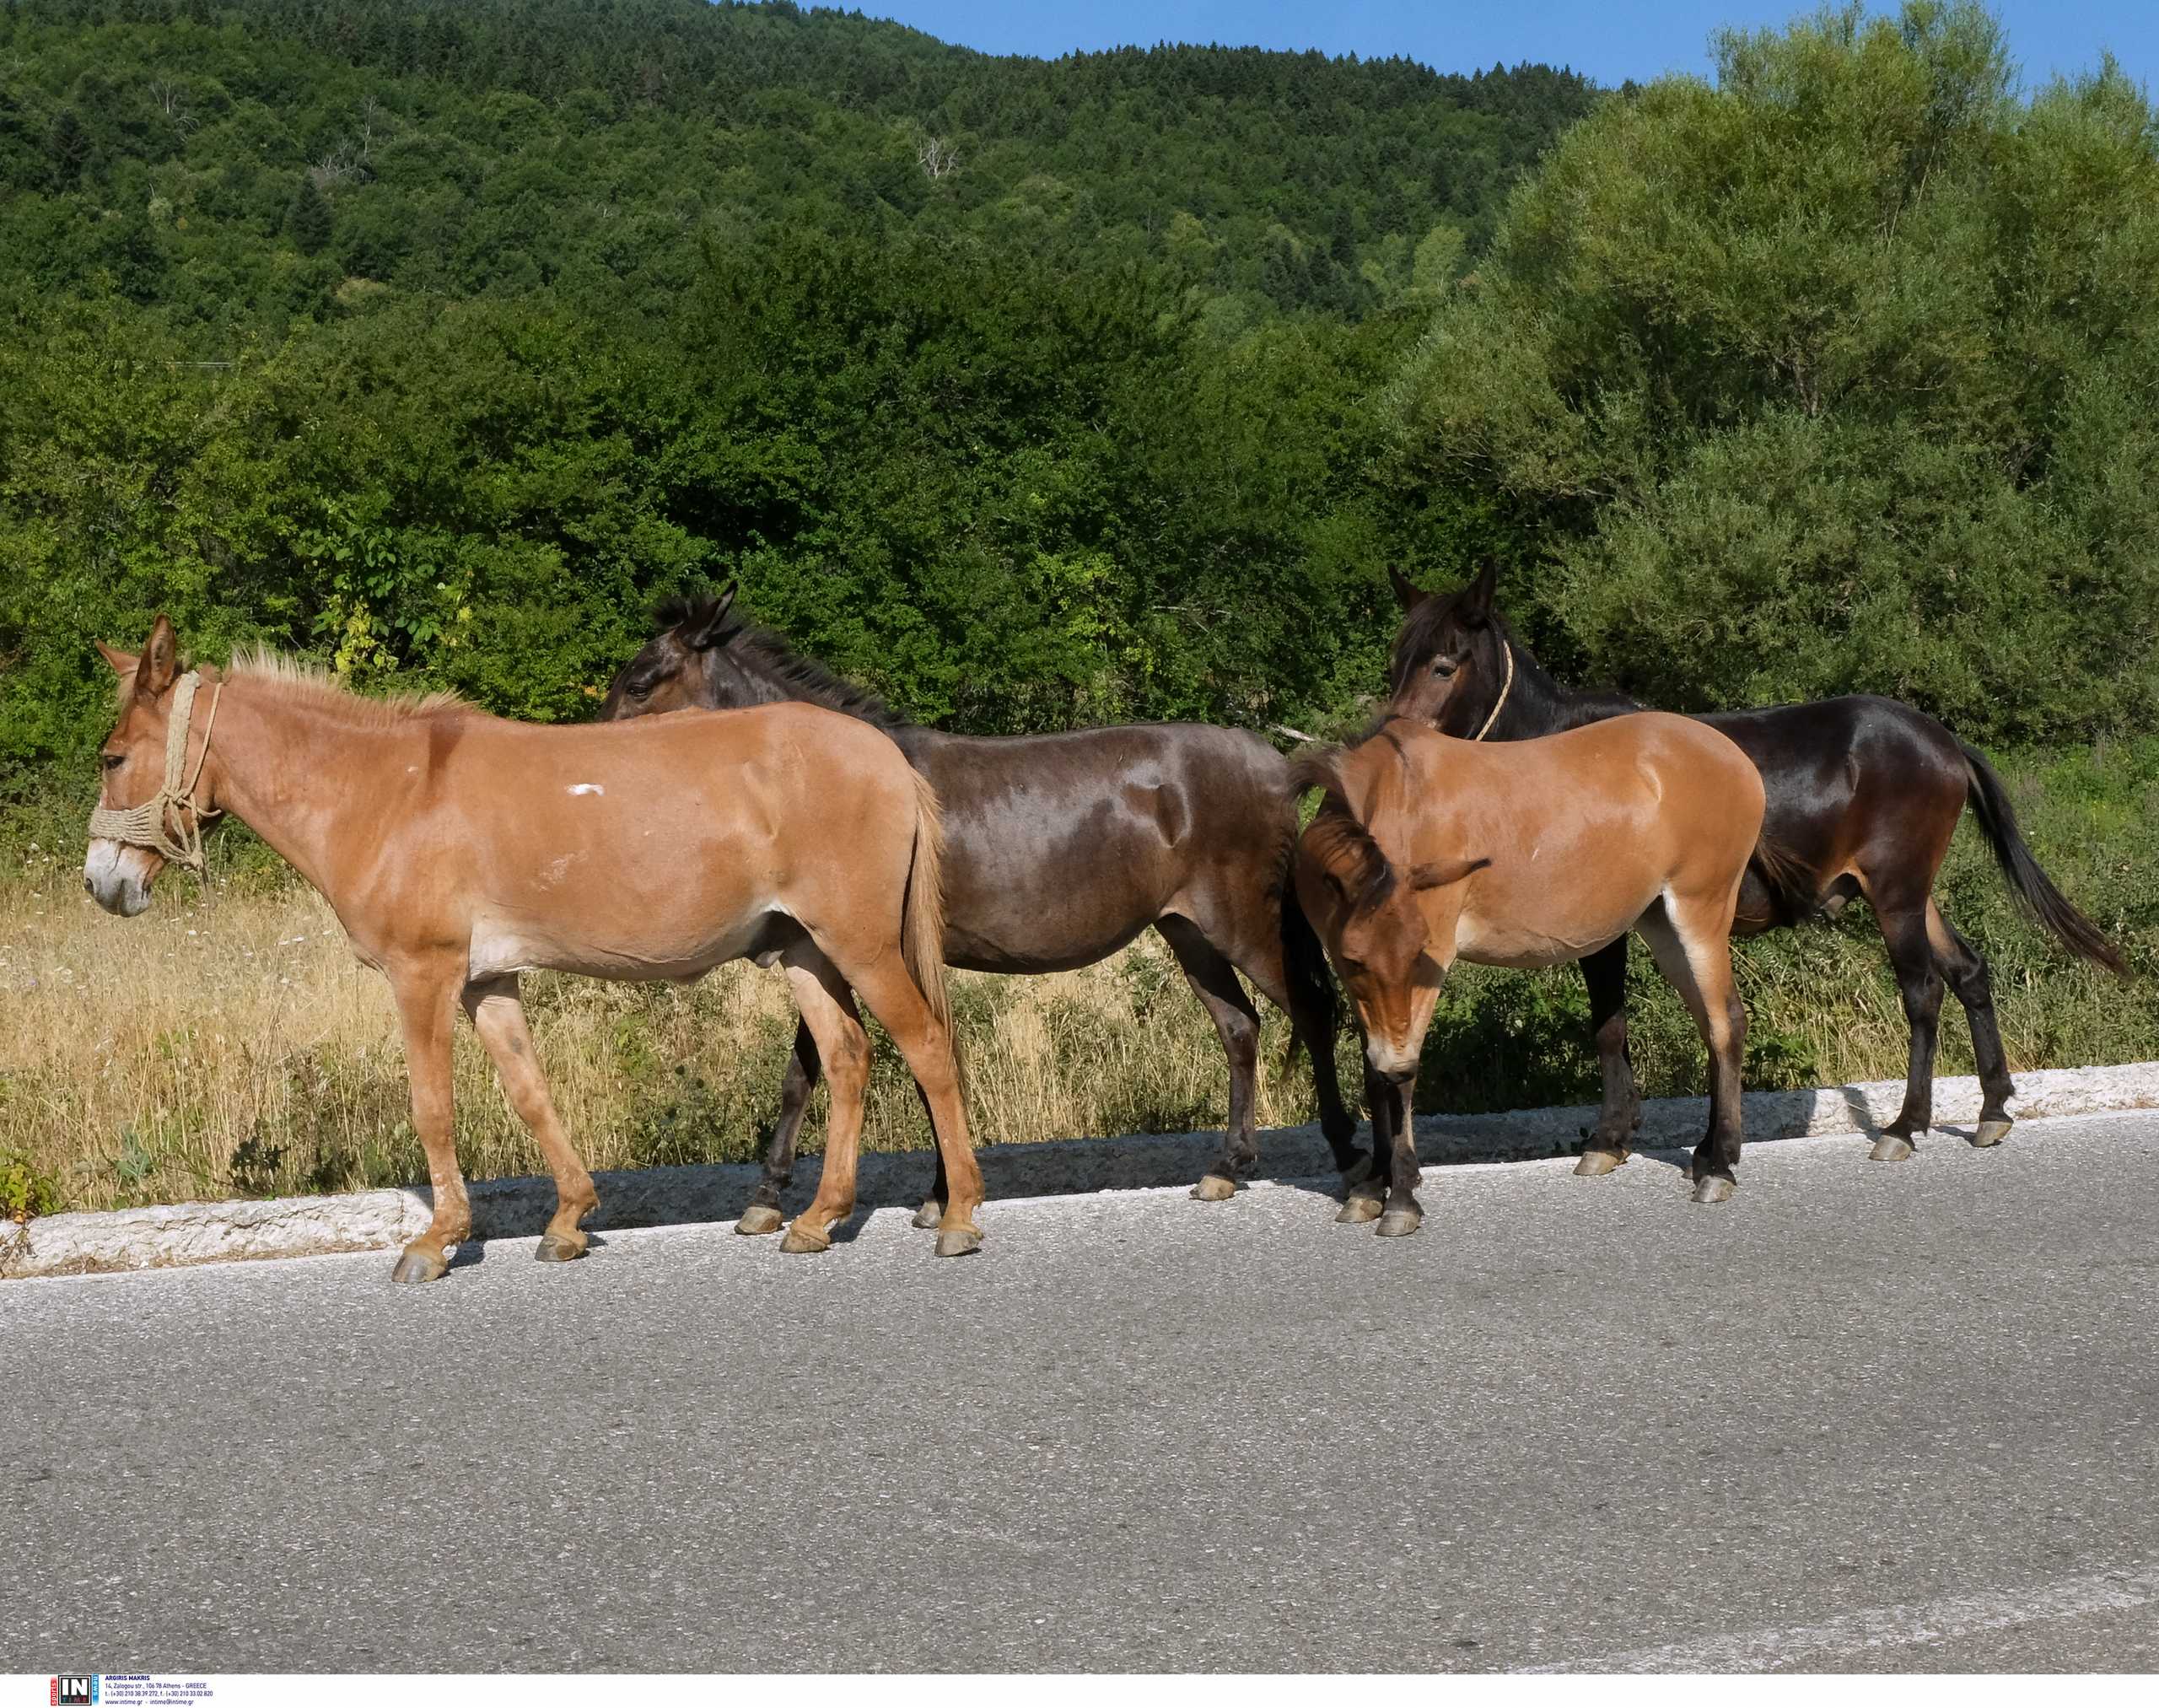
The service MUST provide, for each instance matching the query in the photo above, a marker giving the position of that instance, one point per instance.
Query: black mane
(763, 653)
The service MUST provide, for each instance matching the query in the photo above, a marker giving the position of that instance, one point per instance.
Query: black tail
(1794, 889)
(1304, 970)
(1989, 803)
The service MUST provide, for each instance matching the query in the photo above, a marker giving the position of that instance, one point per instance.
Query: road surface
(1864, 1416)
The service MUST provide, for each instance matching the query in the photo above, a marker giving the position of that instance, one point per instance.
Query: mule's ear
(704, 630)
(123, 663)
(1476, 606)
(1406, 590)
(1438, 874)
(160, 661)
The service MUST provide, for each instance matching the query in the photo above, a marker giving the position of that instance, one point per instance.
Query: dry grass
(238, 1048)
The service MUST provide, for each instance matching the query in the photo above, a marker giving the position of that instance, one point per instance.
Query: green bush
(24, 1192)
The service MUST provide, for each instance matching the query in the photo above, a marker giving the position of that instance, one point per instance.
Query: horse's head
(701, 659)
(156, 801)
(1450, 662)
(1377, 919)
(691, 662)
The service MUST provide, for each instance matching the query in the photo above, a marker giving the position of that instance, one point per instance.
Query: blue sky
(1609, 40)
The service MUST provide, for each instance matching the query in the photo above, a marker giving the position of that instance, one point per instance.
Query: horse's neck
(810, 683)
(301, 778)
(1537, 705)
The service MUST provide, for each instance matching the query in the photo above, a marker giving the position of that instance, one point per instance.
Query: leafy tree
(1836, 374)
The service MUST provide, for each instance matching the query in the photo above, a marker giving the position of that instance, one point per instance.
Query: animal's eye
(113, 762)
(642, 690)
(1445, 666)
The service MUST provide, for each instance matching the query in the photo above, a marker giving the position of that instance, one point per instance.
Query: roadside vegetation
(233, 1048)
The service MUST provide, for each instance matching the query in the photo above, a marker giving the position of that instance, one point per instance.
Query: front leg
(1366, 1183)
(1404, 1214)
(427, 1009)
(1605, 974)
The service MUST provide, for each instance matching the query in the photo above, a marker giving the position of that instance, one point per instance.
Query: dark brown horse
(1864, 793)
(1059, 850)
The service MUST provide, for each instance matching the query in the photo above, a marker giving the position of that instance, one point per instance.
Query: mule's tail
(1989, 803)
(922, 925)
(1795, 890)
(1305, 970)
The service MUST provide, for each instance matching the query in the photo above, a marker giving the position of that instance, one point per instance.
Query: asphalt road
(1864, 1416)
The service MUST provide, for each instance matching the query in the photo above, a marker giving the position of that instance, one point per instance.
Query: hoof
(1891, 1147)
(1595, 1163)
(800, 1239)
(1990, 1133)
(759, 1219)
(419, 1266)
(930, 1215)
(1212, 1188)
(1397, 1222)
(560, 1249)
(958, 1241)
(1713, 1188)
(1361, 1209)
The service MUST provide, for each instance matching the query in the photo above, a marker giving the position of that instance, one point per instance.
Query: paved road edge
(166, 1236)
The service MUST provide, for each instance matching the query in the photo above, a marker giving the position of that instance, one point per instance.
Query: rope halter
(1506, 687)
(144, 825)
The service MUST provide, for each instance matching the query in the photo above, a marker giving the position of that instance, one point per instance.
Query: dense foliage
(1842, 374)
(437, 338)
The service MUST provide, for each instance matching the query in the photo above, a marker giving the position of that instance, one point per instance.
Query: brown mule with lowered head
(1427, 850)
(460, 850)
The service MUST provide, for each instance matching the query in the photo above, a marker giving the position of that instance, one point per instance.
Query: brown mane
(297, 680)
(1338, 837)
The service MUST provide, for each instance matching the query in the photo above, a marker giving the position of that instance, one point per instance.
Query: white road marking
(1880, 1628)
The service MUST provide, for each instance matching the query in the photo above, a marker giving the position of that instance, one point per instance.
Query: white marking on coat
(586, 789)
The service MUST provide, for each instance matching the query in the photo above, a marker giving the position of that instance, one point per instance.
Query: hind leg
(1965, 970)
(1692, 946)
(1918, 982)
(932, 1211)
(1213, 981)
(1605, 973)
(926, 1041)
(761, 1214)
(828, 1010)
(1261, 958)
(498, 1017)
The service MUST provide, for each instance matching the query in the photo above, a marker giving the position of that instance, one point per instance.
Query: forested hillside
(226, 160)
(437, 338)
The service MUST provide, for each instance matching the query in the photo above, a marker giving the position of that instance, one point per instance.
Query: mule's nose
(88, 888)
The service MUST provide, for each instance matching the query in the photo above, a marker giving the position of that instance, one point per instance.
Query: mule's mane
(769, 654)
(1337, 836)
(310, 684)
